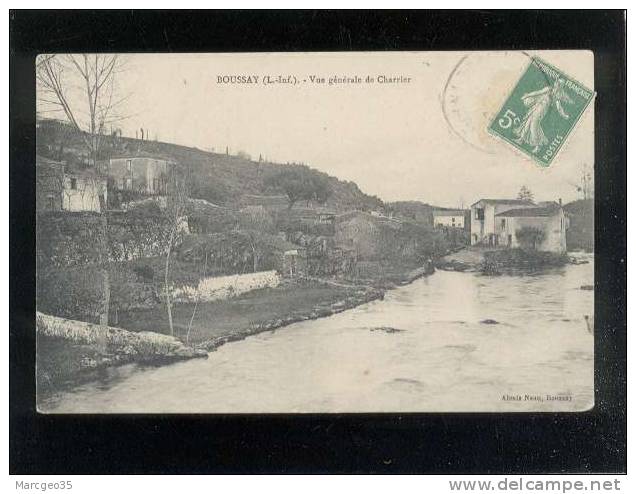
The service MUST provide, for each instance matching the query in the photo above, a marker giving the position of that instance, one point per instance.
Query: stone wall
(224, 287)
(67, 350)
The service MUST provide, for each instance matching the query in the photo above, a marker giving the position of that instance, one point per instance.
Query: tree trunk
(255, 258)
(196, 304)
(166, 279)
(103, 260)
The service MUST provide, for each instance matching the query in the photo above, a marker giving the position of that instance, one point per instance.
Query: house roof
(514, 202)
(530, 212)
(448, 212)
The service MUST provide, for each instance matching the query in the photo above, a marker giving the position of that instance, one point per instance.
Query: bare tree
(196, 303)
(175, 210)
(82, 88)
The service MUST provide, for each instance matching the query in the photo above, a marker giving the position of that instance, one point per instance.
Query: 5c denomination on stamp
(541, 111)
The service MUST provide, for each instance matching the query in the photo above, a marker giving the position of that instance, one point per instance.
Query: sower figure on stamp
(538, 103)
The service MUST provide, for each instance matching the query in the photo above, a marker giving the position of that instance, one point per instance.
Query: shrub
(530, 236)
(144, 273)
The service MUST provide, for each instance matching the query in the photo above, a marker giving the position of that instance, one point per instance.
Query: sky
(423, 138)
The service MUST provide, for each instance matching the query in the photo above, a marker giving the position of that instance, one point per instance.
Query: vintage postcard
(315, 232)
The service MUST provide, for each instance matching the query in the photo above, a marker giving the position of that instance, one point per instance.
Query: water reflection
(425, 347)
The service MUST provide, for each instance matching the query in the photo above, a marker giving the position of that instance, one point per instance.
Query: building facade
(483, 221)
(453, 218)
(59, 188)
(549, 225)
(143, 173)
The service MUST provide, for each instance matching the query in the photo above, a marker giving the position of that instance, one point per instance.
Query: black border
(593, 441)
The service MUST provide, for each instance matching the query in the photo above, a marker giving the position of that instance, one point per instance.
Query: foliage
(256, 218)
(144, 272)
(300, 183)
(383, 239)
(235, 252)
(214, 192)
(525, 194)
(412, 210)
(530, 236)
(515, 261)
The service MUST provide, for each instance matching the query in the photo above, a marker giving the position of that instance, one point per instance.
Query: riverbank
(503, 260)
(65, 362)
(66, 359)
(218, 322)
(70, 352)
(416, 351)
(470, 259)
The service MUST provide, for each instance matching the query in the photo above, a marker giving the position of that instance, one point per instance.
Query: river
(424, 348)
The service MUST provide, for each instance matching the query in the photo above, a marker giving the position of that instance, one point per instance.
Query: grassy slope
(220, 178)
(238, 316)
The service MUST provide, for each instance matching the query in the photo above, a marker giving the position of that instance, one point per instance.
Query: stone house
(144, 173)
(369, 236)
(61, 188)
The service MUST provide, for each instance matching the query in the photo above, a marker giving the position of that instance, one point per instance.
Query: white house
(549, 219)
(483, 227)
(84, 190)
(61, 188)
(453, 218)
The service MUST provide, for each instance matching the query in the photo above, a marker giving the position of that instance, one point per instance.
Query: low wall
(110, 339)
(224, 287)
(70, 352)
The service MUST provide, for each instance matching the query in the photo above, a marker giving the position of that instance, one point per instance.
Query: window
(51, 203)
(479, 213)
(453, 220)
(503, 223)
(129, 166)
(73, 184)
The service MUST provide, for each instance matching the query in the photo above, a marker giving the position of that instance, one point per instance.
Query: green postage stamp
(541, 111)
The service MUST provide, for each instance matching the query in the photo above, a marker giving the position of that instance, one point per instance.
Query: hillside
(413, 210)
(219, 178)
(580, 235)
